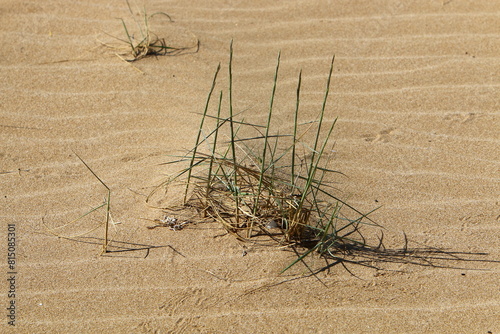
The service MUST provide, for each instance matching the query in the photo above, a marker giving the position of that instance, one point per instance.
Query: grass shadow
(118, 248)
(379, 257)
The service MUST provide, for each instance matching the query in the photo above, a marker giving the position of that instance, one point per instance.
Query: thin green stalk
(266, 137)
(314, 162)
(146, 26)
(129, 7)
(199, 133)
(108, 205)
(318, 183)
(135, 20)
(330, 224)
(320, 122)
(128, 36)
(313, 168)
(295, 121)
(233, 149)
(214, 147)
(272, 165)
(226, 152)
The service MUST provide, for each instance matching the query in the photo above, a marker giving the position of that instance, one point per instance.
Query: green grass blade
(314, 162)
(130, 42)
(266, 137)
(320, 122)
(214, 81)
(233, 136)
(295, 122)
(214, 146)
(108, 204)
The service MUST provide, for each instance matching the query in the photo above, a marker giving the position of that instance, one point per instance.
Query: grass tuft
(144, 42)
(263, 186)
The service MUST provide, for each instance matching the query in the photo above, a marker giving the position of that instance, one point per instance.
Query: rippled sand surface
(416, 89)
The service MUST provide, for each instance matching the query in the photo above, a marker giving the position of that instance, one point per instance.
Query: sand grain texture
(416, 87)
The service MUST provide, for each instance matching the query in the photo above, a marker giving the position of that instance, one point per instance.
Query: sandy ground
(415, 88)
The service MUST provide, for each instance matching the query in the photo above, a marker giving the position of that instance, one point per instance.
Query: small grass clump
(147, 43)
(264, 186)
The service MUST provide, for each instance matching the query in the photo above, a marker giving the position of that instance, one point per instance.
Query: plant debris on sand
(147, 43)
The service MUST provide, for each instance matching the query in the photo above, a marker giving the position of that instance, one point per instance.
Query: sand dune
(416, 89)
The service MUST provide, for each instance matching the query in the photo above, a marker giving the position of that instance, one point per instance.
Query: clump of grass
(264, 186)
(147, 43)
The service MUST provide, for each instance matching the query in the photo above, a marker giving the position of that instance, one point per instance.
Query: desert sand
(416, 89)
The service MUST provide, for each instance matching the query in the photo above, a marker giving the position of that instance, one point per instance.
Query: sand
(416, 92)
